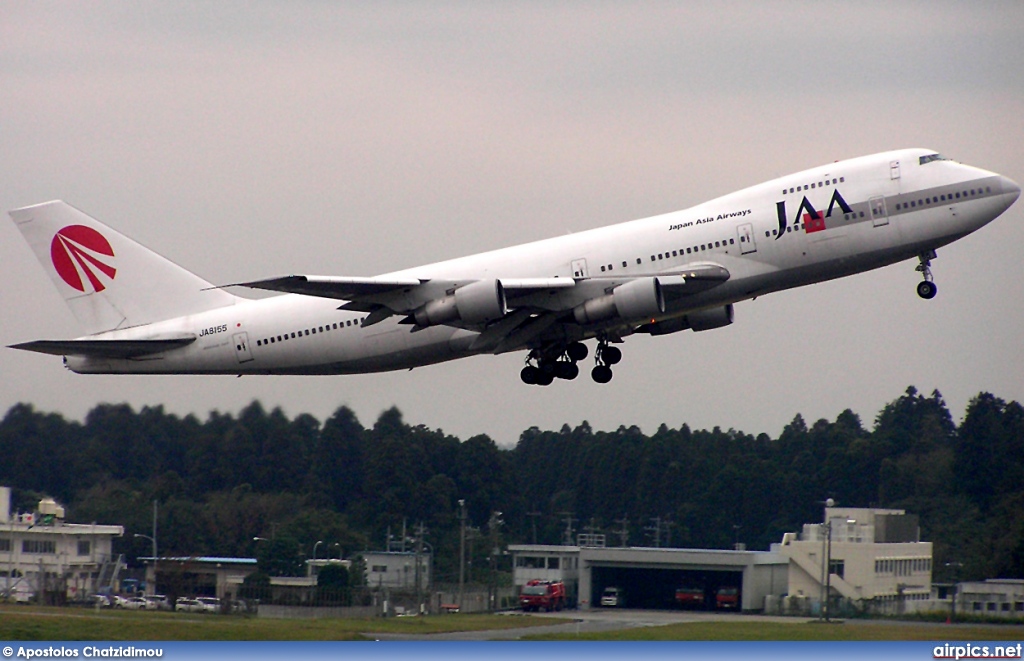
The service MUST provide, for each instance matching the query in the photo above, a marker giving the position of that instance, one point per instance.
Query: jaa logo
(814, 221)
(77, 250)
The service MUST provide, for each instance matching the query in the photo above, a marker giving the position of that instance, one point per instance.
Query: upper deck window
(932, 157)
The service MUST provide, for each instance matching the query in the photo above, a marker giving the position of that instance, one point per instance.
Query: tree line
(223, 481)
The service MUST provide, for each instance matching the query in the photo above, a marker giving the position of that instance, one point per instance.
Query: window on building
(84, 547)
(38, 546)
(5, 545)
(379, 569)
(552, 563)
(838, 567)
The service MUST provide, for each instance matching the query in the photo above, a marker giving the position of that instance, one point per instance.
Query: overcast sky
(254, 139)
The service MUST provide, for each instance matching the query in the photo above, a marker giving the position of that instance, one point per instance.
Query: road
(574, 622)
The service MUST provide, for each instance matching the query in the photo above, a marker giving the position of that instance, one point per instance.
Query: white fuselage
(874, 211)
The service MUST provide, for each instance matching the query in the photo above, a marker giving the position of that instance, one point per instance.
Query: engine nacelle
(475, 303)
(695, 321)
(710, 319)
(635, 299)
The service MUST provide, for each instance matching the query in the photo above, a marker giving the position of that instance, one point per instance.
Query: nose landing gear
(927, 288)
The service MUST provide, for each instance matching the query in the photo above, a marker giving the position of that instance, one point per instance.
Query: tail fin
(108, 280)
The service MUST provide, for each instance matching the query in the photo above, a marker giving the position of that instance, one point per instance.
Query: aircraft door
(745, 235)
(242, 352)
(879, 216)
(579, 268)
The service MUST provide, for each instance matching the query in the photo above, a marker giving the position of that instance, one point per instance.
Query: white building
(994, 597)
(397, 569)
(40, 553)
(876, 558)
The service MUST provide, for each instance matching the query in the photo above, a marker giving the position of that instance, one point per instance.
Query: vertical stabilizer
(108, 280)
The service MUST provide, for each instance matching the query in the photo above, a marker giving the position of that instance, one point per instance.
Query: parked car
(134, 603)
(612, 597)
(100, 601)
(188, 605)
(22, 594)
(210, 604)
(157, 602)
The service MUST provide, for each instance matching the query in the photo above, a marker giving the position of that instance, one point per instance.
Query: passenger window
(623, 264)
(602, 269)
(637, 260)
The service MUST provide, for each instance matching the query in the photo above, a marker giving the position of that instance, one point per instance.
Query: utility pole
(462, 550)
(418, 541)
(826, 558)
(655, 530)
(623, 531)
(567, 539)
(533, 523)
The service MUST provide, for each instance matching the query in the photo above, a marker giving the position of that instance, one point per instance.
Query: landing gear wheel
(545, 378)
(529, 375)
(577, 351)
(601, 374)
(926, 289)
(611, 355)
(566, 370)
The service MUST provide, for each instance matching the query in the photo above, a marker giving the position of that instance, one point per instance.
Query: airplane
(660, 275)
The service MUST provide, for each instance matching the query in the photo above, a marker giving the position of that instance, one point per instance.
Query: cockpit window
(932, 157)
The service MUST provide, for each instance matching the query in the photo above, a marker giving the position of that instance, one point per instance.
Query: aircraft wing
(346, 289)
(104, 348)
(505, 300)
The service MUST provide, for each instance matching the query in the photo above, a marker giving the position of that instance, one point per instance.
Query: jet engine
(635, 299)
(475, 303)
(701, 320)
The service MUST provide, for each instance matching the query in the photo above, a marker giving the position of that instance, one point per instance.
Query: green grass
(801, 630)
(37, 624)
(22, 623)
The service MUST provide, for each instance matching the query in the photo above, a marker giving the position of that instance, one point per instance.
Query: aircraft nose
(1010, 187)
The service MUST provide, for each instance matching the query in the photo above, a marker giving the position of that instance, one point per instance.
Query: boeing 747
(143, 314)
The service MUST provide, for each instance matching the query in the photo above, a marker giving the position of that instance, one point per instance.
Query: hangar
(875, 558)
(649, 577)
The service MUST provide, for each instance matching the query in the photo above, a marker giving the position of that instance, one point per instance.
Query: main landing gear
(605, 357)
(926, 289)
(544, 366)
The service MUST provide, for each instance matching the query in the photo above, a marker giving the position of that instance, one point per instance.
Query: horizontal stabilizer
(104, 348)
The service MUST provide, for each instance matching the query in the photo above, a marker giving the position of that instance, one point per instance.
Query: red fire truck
(542, 595)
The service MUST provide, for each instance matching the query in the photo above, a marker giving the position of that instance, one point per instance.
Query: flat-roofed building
(42, 555)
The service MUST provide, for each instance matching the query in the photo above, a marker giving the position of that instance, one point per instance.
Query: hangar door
(655, 588)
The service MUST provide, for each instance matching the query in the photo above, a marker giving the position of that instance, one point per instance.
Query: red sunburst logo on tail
(75, 250)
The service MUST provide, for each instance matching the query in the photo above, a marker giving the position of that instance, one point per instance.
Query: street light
(462, 550)
(955, 567)
(319, 542)
(826, 559)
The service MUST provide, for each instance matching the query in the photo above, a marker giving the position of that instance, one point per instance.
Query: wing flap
(104, 348)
